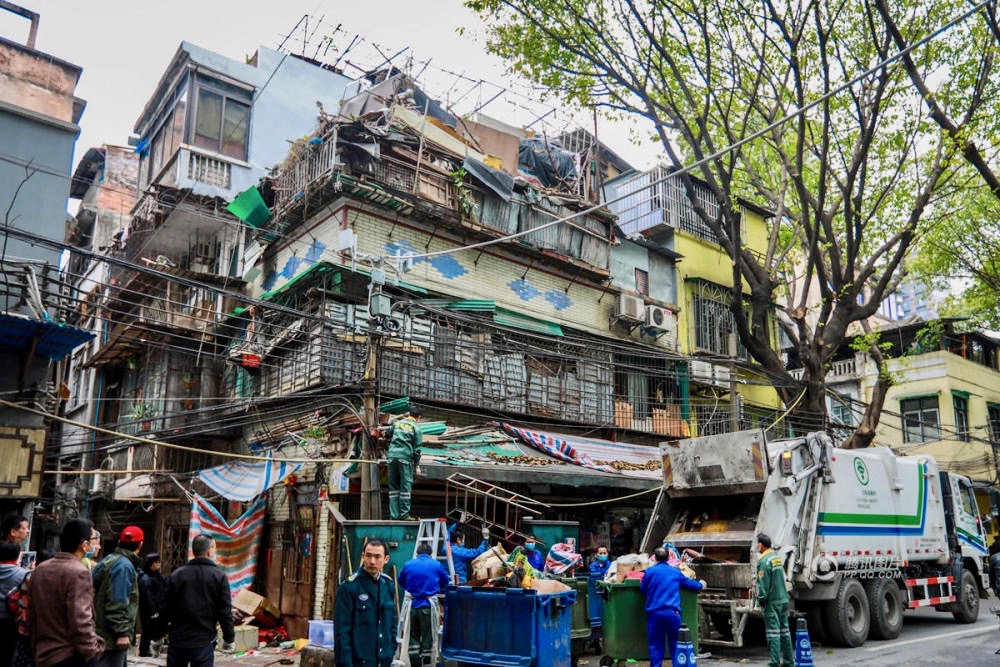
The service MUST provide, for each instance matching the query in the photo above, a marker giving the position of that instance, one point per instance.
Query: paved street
(928, 638)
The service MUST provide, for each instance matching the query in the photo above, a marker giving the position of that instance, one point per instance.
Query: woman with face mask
(92, 557)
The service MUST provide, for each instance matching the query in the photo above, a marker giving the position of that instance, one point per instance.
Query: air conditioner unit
(660, 319)
(630, 308)
(705, 372)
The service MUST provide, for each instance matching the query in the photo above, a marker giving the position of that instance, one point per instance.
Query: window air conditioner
(629, 308)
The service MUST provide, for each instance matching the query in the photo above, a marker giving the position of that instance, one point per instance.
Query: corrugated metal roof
(53, 340)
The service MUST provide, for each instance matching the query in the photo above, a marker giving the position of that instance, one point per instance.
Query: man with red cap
(116, 597)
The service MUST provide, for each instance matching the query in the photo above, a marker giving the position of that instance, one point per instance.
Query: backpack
(17, 604)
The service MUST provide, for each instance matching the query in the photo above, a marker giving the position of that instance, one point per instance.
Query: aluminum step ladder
(434, 533)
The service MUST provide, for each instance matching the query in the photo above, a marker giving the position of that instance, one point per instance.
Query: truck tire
(885, 604)
(847, 615)
(967, 605)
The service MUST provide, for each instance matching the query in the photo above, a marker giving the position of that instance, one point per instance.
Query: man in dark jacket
(61, 613)
(364, 617)
(152, 596)
(116, 597)
(198, 597)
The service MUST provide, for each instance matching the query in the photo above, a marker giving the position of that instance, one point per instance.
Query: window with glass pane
(208, 124)
(235, 128)
(993, 412)
(921, 419)
(961, 405)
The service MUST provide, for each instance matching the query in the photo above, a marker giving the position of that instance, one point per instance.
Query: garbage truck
(864, 534)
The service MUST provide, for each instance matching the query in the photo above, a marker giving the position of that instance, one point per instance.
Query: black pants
(420, 635)
(8, 638)
(151, 632)
(194, 657)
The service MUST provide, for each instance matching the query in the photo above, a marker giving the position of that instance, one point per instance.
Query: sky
(124, 47)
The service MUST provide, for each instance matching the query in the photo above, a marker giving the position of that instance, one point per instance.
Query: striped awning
(592, 453)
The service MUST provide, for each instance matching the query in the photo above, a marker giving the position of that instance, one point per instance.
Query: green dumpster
(580, 629)
(624, 611)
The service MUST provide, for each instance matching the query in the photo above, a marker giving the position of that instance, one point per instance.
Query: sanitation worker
(423, 578)
(599, 566)
(364, 616)
(662, 584)
(461, 555)
(773, 598)
(404, 457)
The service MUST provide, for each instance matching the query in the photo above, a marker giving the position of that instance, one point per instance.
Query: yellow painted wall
(940, 373)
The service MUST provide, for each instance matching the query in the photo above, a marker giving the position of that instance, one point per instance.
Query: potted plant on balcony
(143, 412)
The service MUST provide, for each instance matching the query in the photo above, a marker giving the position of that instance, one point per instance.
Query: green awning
(960, 393)
(518, 321)
(466, 305)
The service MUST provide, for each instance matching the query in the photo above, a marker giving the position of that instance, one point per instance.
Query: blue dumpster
(511, 627)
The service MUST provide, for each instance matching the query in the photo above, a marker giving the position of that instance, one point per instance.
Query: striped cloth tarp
(588, 452)
(237, 544)
(245, 480)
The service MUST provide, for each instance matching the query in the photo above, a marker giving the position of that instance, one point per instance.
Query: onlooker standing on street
(662, 584)
(116, 597)
(17, 602)
(197, 598)
(773, 598)
(14, 529)
(93, 557)
(404, 457)
(11, 576)
(461, 555)
(423, 578)
(364, 617)
(152, 596)
(61, 612)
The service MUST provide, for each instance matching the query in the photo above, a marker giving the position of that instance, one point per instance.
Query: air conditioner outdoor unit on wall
(630, 308)
(660, 318)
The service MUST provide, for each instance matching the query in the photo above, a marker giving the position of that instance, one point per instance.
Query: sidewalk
(261, 657)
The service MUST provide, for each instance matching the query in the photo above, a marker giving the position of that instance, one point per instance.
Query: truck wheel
(967, 606)
(847, 614)
(885, 602)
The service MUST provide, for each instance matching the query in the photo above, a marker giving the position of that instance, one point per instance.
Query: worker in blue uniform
(364, 616)
(599, 566)
(461, 555)
(536, 558)
(662, 584)
(423, 578)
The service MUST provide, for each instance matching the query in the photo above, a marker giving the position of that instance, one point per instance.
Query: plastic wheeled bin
(507, 627)
(581, 633)
(624, 628)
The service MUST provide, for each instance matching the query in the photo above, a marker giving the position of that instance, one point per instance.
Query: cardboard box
(623, 414)
(246, 637)
(624, 568)
(259, 607)
(488, 565)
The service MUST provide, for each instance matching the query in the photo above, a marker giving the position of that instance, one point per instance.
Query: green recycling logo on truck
(861, 471)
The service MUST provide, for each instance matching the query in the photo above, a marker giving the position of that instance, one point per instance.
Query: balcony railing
(303, 168)
(844, 369)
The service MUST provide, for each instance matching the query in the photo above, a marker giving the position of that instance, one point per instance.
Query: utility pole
(734, 397)
(371, 495)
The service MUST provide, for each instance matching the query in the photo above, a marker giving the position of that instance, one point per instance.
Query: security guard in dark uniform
(773, 598)
(364, 616)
